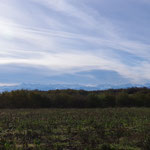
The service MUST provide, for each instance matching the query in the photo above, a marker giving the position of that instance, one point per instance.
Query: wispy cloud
(68, 36)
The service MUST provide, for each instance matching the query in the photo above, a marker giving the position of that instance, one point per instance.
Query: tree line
(131, 97)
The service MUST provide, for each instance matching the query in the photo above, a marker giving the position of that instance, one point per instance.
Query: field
(75, 129)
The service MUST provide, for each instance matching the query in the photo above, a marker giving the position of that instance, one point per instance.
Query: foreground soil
(75, 129)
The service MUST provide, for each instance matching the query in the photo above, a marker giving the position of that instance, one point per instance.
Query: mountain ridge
(46, 87)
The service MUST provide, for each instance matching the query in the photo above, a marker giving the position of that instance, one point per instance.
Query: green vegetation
(75, 129)
(102, 128)
(133, 97)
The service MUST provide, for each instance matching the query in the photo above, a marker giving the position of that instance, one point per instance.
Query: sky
(86, 42)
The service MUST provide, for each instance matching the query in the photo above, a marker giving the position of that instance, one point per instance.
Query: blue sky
(74, 41)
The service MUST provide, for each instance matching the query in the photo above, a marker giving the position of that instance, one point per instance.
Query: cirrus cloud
(71, 36)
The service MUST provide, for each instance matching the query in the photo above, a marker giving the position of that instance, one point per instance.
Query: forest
(131, 97)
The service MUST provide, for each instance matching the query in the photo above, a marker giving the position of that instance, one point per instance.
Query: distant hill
(46, 87)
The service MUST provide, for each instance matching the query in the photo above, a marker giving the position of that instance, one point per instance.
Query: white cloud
(90, 41)
(8, 84)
